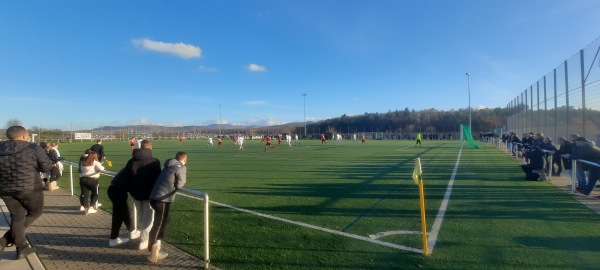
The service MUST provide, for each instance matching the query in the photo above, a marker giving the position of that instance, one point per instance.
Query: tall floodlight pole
(469, 88)
(304, 95)
(219, 119)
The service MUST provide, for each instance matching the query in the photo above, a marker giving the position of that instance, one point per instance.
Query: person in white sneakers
(88, 181)
(117, 193)
(171, 178)
(141, 172)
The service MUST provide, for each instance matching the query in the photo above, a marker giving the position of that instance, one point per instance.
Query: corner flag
(417, 177)
(417, 172)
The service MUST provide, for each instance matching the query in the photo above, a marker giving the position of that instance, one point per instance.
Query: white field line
(302, 224)
(437, 224)
(403, 148)
(382, 234)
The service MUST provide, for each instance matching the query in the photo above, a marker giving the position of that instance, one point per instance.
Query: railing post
(551, 166)
(71, 177)
(573, 175)
(206, 233)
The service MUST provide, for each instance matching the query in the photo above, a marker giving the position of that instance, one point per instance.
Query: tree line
(410, 121)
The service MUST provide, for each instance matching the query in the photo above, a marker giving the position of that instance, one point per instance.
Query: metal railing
(182, 191)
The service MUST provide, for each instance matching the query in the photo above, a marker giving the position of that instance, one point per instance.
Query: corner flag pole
(417, 177)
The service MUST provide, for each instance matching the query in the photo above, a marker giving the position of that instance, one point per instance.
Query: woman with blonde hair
(88, 181)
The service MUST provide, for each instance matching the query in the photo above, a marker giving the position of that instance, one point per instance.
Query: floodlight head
(467, 73)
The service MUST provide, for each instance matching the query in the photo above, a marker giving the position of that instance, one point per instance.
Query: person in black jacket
(535, 156)
(57, 166)
(99, 149)
(566, 147)
(141, 173)
(586, 150)
(117, 193)
(21, 186)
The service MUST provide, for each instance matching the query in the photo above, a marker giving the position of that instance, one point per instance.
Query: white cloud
(255, 103)
(182, 50)
(203, 68)
(256, 68)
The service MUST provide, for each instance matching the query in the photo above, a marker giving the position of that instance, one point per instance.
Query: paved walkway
(65, 238)
(564, 183)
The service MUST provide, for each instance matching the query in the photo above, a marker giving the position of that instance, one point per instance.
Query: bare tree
(13, 122)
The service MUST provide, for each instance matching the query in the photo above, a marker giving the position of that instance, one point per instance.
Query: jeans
(161, 221)
(593, 176)
(55, 174)
(580, 175)
(88, 184)
(556, 159)
(120, 214)
(147, 217)
(24, 208)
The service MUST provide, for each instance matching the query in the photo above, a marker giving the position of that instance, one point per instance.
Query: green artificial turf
(494, 219)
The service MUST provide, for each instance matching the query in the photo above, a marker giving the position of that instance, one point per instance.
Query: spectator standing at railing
(45, 175)
(580, 177)
(88, 181)
(99, 149)
(538, 140)
(117, 193)
(550, 149)
(141, 172)
(566, 147)
(57, 166)
(585, 150)
(516, 143)
(21, 186)
(527, 140)
(171, 178)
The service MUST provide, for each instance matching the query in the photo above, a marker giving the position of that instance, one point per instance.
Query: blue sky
(92, 63)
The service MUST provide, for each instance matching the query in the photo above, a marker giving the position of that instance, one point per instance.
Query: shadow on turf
(581, 243)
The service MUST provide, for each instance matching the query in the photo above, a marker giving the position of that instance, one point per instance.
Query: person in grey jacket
(21, 185)
(171, 178)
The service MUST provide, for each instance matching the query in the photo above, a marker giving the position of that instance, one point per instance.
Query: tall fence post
(582, 91)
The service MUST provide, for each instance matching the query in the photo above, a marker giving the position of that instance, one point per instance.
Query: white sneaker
(134, 234)
(90, 210)
(98, 205)
(156, 254)
(81, 208)
(143, 245)
(118, 241)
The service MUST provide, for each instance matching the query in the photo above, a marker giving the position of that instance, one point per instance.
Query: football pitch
(355, 206)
